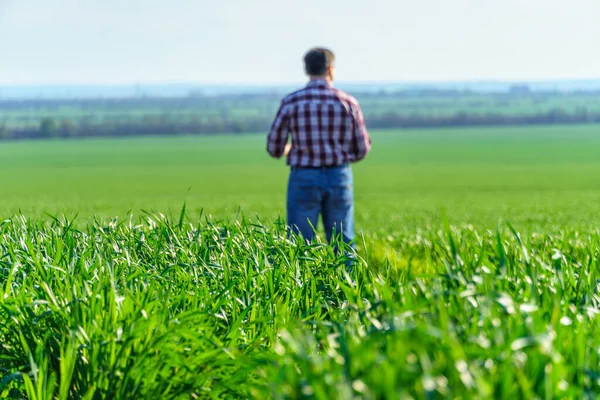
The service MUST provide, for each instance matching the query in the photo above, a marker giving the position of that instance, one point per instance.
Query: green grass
(180, 309)
(219, 305)
(533, 177)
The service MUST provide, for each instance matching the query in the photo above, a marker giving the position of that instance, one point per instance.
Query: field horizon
(526, 176)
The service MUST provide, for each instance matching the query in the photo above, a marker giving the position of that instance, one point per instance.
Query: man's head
(319, 63)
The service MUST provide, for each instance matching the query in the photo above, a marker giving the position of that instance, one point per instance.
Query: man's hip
(325, 191)
(322, 177)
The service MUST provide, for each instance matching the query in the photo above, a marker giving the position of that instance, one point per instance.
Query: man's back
(328, 133)
(326, 127)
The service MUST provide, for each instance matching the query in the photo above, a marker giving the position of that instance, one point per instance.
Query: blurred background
(486, 108)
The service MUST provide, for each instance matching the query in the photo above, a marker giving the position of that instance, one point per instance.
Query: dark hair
(317, 60)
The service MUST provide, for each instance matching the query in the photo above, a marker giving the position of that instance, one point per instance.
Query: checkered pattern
(326, 126)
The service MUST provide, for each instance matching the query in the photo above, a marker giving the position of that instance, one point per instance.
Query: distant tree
(85, 126)
(67, 128)
(582, 114)
(3, 132)
(48, 127)
(557, 115)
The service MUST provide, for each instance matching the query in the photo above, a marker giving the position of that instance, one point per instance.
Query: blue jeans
(327, 191)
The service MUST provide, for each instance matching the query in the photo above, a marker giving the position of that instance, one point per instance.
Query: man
(327, 132)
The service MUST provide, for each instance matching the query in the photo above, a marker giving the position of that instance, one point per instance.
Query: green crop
(538, 179)
(166, 308)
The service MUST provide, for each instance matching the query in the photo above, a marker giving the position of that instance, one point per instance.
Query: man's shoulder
(346, 97)
(294, 96)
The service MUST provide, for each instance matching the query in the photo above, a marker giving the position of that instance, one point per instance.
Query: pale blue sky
(262, 41)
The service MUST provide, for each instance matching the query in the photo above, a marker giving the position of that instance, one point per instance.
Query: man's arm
(361, 140)
(278, 136)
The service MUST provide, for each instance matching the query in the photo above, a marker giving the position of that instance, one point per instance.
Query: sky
(263, 41)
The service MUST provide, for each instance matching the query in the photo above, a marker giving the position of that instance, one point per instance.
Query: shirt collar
(320, 83)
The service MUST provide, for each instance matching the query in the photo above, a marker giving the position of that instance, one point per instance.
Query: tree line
(66, 128)
(247, 114)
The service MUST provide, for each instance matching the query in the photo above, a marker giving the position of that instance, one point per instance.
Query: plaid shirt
(326, 125)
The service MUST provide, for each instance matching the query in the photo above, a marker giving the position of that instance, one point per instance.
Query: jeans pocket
(342, 196)
(303, 190)
(341, 177)
(304, 197)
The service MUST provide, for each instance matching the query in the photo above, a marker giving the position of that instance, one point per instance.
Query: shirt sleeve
(361, 140)
(278, 136)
